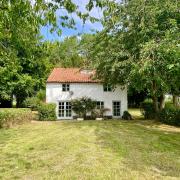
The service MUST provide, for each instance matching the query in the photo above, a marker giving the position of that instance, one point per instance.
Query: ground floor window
(99, 104)
(65, 109)
(116, 108)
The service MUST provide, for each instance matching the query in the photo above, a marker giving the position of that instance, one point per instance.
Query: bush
(170, 116)
(169, 105)
(14, 116)
(47, 112)
(82, 106)
(33, 103)
(126, 116)
(99, 113)
(41, 95)
(147, 110)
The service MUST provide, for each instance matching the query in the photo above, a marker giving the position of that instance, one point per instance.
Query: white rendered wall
(95, 91)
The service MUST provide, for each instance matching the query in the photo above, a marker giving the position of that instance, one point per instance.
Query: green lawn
(111, 149)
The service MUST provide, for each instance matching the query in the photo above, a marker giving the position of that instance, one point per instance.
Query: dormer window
(107, 88)
(65, 87)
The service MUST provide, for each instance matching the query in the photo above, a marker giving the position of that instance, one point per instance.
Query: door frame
(65, 118)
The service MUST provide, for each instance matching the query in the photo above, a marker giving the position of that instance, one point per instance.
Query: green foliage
(33, 103)
(82, 106)
(126, 116)
(147, 110)
(136, 97)
(41, 95)
(139, 46)
(23, 66)
(12, 116)
(65, 53)
(47, 112)
(71, 52)
(170, 116)
(85, 46)
(25, 61)
(99, 113)
(169, 105)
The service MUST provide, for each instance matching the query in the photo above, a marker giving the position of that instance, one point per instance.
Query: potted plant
(100, 113)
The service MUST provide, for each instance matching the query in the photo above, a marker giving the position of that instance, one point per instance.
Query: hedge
(170, 116)
(14, 116)
(147, 110)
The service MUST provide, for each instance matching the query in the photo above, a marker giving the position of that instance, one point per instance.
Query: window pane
(102, 105)
(107, 87)
(65, 87)
(99, 104)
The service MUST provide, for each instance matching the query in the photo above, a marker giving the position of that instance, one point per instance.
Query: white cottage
(65, 84)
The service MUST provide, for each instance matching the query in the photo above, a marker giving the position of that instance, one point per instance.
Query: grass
(111, 149)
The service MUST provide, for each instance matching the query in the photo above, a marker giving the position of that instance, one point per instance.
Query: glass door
(117, 108)
(65, 110)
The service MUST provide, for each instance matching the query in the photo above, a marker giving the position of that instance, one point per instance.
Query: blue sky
(80, 28)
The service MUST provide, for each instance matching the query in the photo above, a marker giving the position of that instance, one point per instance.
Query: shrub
(47, 112)
(99, 113)
(33, 103)
(169, 105)
(170, 116)
(41, 95)
(147, 110)
(13, 116)
(82, 106)
(126, 116)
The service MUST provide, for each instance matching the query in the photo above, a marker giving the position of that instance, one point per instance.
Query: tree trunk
(155, 104)
(154, 97)
(19, 102)
(175, 100)
(162, 102)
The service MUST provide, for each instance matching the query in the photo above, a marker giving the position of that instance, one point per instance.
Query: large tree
(23, 65)
(19, 46)
(23, 68)
(139, 46)
(74, 51)
(64, 53)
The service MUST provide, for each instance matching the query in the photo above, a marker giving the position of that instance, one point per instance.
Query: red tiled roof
(71, 75)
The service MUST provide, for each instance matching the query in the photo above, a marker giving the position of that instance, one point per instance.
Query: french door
(117, 108)
(65, 110)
